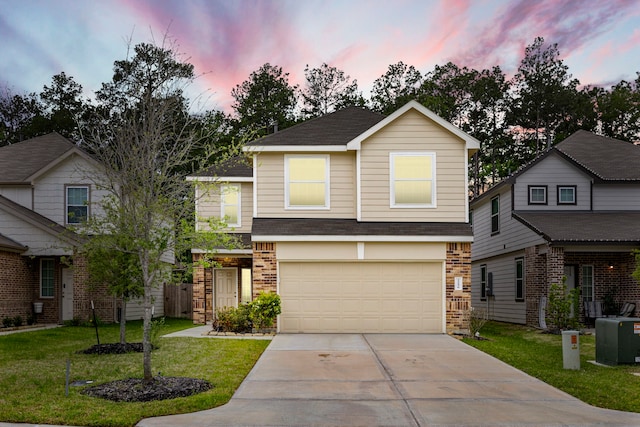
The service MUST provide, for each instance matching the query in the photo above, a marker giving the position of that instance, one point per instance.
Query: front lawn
(540, 355)
(33, 367)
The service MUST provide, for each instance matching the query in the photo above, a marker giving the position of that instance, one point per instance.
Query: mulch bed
(137, 390)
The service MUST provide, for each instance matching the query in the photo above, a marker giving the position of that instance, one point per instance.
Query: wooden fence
(177, 300)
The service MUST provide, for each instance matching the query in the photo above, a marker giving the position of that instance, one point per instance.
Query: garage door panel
(361, 297)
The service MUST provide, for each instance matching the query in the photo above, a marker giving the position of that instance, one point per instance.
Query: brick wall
(535, 267)
(458, 303)
(265, 268)
(203, 285)
(83, 294)
(17, 286)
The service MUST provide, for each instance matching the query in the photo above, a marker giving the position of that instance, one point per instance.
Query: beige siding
(353, 251)
(208, 205)
(271, 188)
(551, 172)
(49, 189)
(414, 132)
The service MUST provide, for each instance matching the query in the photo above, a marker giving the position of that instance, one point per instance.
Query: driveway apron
(391, 380)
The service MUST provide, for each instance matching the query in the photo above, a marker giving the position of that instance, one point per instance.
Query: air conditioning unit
(618, 340)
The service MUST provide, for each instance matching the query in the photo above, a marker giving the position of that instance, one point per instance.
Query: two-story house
(47, 188)
(573, 213)
(358, 221)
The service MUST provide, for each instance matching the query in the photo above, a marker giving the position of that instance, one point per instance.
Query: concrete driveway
(391, 380)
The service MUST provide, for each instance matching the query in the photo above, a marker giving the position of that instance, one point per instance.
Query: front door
(67, 294)
(226, 287)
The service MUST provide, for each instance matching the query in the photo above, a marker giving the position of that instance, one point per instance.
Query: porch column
(265, 268)
(458, 302)
(199, 297)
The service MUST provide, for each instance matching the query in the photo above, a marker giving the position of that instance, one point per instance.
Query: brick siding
(458, 303)
(17, 286)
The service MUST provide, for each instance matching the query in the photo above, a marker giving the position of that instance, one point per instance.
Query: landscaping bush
(232, 319)
(17, 321)
(559, 307)
(264, 310)
(7, 322)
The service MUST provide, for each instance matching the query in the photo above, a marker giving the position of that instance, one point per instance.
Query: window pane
(412, 167)
(76, 214)
(538, 195)
(567, 195)
(77, 196)
(230, 195)
(495, 206)
(231, 214)
(306, 194)
(46, 278)
(413, 192)
(307, 169)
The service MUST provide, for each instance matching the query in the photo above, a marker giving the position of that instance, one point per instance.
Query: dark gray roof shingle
(607, 158)
(11, 245)
(238, 167)
(584, 227)
(352, 227)
(21, 160)
(337, 128)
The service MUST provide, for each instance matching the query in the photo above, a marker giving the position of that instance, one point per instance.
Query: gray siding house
(574, 213)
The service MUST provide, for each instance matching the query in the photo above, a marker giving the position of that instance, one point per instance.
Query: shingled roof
(21, 160)
(337, 128)
(238, 166)
(608, 159)
(584, 227)
(11, 245)
(351, 227)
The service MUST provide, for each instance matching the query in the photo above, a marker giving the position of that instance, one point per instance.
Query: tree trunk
(123, 321)
(146, 328)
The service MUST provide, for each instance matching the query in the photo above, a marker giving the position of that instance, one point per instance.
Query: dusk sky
(226, 40)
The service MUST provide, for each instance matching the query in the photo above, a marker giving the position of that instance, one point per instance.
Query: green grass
(540, 355)
(33, 366)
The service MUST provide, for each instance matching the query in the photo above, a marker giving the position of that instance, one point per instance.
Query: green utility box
(618, 340)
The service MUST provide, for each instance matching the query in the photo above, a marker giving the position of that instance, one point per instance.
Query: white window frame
(223, 205)
(538, 187)
(326, 182)
(392, 180)
(53, 277)
(584, 286)
(67, 205)
(567, 187)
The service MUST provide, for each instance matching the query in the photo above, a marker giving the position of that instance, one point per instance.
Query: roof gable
(472, 144)
(24, 161)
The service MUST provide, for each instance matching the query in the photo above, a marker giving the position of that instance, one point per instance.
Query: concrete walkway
(391, 380)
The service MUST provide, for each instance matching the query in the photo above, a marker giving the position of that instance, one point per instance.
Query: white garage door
(361, 297)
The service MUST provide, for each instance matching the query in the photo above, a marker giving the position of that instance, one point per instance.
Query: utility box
(618, 340)
(571, 350)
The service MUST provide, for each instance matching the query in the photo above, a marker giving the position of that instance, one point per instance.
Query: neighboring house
(47, 187)
(573, 212)
(358, 221)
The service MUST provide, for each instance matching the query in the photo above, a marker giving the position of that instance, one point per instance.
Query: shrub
(17, 321)
(7, 322)
(156, 328)
(559, 307)
(232, 319)
(264, 310)
(477, 317)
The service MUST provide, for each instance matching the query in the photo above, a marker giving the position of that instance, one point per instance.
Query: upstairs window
(230, 204)
(495, 215)
(412, 180)
(566, 194)
(77, 204)
(307, 182)
(537, 194)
